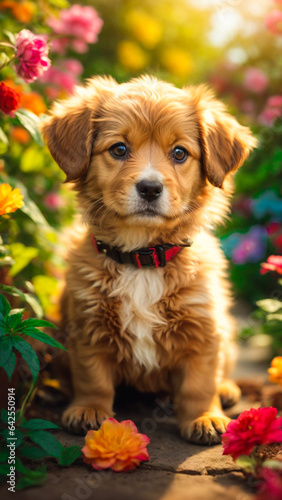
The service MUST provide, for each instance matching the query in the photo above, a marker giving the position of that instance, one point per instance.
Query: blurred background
(232, 45)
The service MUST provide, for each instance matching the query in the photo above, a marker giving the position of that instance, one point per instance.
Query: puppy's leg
(229, 393)
(197, 403)
(93, 391)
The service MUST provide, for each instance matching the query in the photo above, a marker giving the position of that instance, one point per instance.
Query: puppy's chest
(140, 291)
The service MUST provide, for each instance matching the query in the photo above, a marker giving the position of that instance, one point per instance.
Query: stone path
(177, 470)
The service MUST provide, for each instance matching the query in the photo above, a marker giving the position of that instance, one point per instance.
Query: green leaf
(272, 464)
(9, 365)
(5, 349)
(30, 299)
(5, 307)
(4, 415)
(39, 424)
(27, 481)
(11, 37)
(60, 4)
(3, 138)
(69, 455)
(32, 452)
(47, 442)
(31, 122)
(12, 290)
(17, 434)
(270, 305)
(4, 330)
(22, 255)
(14, 320)
(43, 337)
(271, 317)
(4, 469)
(6, 261)
(32, 159)
(4, 455)
(245, 462)
(28, 354)
(33, 322)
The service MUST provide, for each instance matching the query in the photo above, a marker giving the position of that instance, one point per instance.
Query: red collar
(156, 256)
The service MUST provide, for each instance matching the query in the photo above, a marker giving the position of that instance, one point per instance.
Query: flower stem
(29, 395)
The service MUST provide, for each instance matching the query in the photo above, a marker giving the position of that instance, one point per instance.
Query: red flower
(271, 488)
(253, 427)
(9, 99)
(274, 263)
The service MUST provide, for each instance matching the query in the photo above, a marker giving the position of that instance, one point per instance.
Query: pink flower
(273, 22)
(271, 487)
(80, 24)
(269, 115)
(275, 101)
(274, 263)
(255, 80)
(60, 79)
(253, 427)
(73, 66)
(53, 201)
(32, 52)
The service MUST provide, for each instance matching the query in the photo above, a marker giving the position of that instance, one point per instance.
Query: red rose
(9, 99)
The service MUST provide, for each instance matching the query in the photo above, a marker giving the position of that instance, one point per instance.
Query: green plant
(33, 440)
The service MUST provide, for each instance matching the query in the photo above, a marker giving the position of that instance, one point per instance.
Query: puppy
(146, 298)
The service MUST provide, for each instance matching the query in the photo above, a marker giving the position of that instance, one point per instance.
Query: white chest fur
(139, 291)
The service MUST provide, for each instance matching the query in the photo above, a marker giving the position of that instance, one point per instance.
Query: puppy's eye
(179, 154)
(118, 150)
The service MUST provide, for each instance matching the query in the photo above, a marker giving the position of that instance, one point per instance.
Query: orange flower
(10, 199)
(275, 371)
(22, 11)
(116, 445)
(20, 134)
(34, 102)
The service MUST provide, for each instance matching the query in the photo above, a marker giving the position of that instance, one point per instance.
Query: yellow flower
(10, 199)
(116, 445)
(275, 371)
(177, 62)
(145, 28)
(132, 56)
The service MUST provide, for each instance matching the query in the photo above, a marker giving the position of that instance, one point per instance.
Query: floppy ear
(224, 143)
(69, 130)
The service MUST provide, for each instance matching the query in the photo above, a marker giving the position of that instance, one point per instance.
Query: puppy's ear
(224, 143)
(69, 130)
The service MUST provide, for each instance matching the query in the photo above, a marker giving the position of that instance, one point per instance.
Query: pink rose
(81, 23)
(73, 66)
(255, 80)
(53, 201)
(269, 115)
(275, 101)
(273, 22)
(32, 52)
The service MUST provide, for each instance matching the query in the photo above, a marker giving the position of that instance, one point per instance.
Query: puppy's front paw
(205, 430)
(80, 419)
(229, 393)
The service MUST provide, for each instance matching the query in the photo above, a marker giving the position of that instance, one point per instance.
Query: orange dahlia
(116, 445)
(275, 371)
(10, 199)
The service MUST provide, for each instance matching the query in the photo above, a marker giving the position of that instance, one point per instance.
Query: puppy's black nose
(149, 190)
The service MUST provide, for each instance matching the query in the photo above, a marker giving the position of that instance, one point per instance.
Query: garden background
(49, 46)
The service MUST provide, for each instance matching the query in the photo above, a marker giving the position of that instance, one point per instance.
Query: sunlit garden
(47, 47)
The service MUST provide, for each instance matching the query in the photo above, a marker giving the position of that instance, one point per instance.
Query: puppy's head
(145, 151)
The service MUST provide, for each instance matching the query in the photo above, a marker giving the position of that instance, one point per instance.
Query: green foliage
(12, 328)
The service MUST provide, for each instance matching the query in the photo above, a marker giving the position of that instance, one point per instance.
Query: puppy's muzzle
(149, 190)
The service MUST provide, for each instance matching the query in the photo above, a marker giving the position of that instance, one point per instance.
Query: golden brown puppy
(149, 162)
